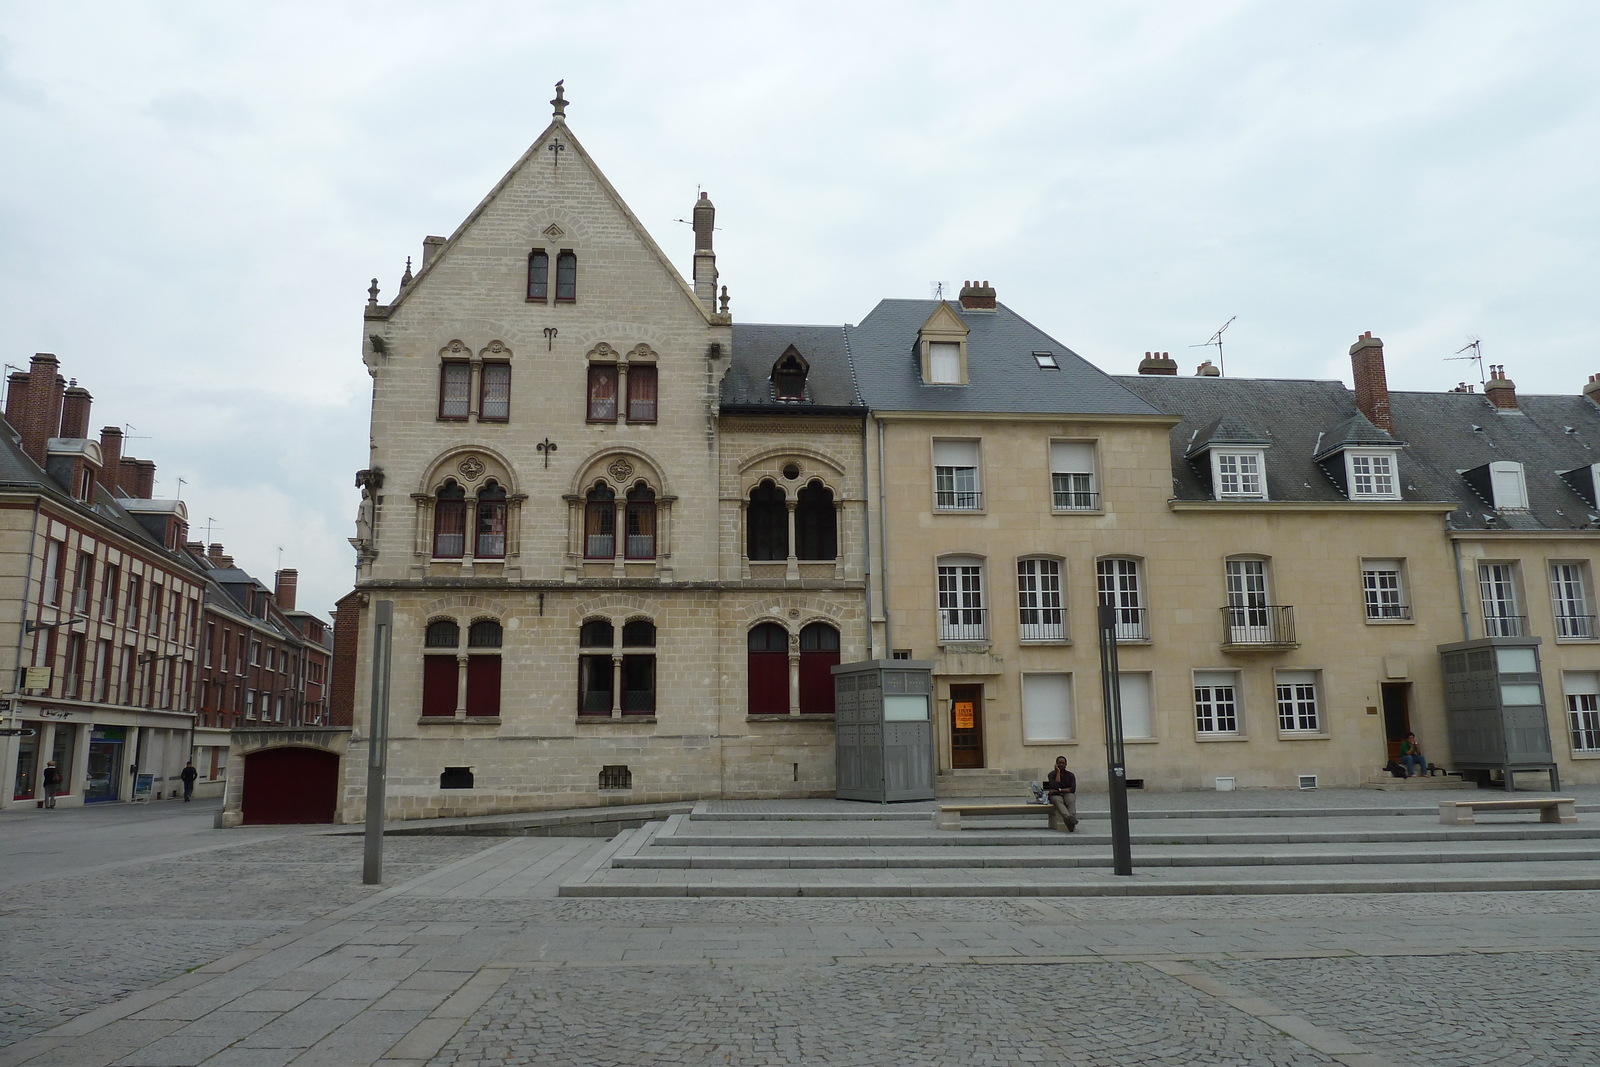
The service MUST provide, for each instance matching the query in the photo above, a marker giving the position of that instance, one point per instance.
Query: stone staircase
(1403, 785)
(960, 785)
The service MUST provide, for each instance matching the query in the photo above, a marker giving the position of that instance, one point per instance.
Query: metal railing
(962, 624)
(958, 500)
(1258, 624)
(1575, 627)
(1044, 631)
(1131, 624)
(1388, 611)
(1505, 625)
(1075, 501)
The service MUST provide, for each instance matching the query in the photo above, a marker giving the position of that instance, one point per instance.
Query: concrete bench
(1550, 809)
(948, 816)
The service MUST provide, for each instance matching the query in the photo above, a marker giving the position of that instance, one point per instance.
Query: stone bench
(1550, 809)
(948, 816)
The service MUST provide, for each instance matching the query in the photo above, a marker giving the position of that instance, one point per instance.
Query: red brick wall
(342, 680)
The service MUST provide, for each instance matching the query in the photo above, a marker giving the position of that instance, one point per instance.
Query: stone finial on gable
(560, 102)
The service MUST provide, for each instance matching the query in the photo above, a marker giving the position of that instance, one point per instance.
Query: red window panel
(439, 685)
(641, 393)
(483, 685)
(769, 683)
(816, 682)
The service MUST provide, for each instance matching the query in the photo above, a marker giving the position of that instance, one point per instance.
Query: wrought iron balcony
(962, 624)
(1388, 612)
(1505, 625)
(958, 500)
(1575, 627)
(1071, 500)
(1131, 625)
(1259, 626)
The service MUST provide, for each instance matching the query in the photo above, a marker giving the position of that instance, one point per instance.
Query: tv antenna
(936, 289)
(210, 522)
(129, 435)
(1475, 345)
(1216, 342)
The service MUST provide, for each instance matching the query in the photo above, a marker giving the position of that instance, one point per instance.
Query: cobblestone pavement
(72, 942)
(467, 957)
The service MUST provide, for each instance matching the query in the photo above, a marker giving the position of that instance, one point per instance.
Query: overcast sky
(194, 196)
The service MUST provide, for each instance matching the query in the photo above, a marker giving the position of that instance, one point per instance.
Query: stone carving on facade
(553, 231)
(620, 469)
(642, 351)
(471, 468)
(603, 351)
(496, 348)
(455, 348)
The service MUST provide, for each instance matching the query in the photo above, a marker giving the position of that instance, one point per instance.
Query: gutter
(883, 546)
(866, 530)
(1461, 590)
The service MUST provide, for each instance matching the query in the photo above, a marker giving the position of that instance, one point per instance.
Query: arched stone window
(485, 633)
(440, 673)
(450, 522)
(483, 668)
(767, 667)
(816, 523)
(819, 652)
(641, 522)
(491, 539)
(538, 275)
(595, 639)
(566, 276)
(640, 633)
(600, 523)
(767, 523)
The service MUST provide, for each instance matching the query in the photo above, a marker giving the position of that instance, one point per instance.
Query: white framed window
(1298, 710)
(1072, 482)
(1508, 486)
(1383, 591)
(1497, 586)
(1239, 475)
(1138, 719)
(944, 363)
(1121, 587)
(1582, 689)
(955, 476)
(1039, 610)
(961, 607)
(1371, 475)
(1569, 595)
(1046, 708)
(1216, 702)
(1249, 611)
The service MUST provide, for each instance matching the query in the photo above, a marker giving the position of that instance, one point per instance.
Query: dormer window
(942, 348)
(1371, 475)
(1239, 474)
(789, 375)
(1509, 487)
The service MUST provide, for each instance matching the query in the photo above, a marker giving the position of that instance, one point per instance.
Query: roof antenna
(210, 522)
(1216, 342)
(937, 288)
(1475, 343)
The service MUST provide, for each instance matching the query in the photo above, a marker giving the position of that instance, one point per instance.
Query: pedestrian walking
(1062, 787)
(52, 783)
(189, 775)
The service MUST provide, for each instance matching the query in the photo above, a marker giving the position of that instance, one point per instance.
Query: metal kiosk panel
(883, 730)
(1494, 705)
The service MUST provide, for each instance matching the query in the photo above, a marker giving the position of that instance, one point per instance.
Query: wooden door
(290, 785)
(966, 726)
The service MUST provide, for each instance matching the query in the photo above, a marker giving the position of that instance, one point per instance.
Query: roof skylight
(1046, 360)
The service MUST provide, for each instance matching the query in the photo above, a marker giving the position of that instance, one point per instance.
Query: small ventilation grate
(616, 777)
(1308, 781)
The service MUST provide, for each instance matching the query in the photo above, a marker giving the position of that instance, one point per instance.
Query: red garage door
(290, 785)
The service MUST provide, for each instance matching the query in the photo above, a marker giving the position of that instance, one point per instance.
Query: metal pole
(377, 742)
(1116, 764)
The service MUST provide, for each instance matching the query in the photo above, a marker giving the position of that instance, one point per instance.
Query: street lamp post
(377, 741)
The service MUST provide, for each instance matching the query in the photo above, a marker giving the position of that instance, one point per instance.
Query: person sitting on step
(1062, 787)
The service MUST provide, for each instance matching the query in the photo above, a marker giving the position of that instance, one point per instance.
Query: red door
(290, 785)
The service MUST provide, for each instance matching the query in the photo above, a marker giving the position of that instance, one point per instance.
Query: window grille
(455, 390)
(1381, 592)
(616, 777)
(495, 392)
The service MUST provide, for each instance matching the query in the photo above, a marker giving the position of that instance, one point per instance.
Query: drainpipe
(866, 532)
(1461, 590)
(883, 547)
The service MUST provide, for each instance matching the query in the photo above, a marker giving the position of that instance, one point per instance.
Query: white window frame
(1032, 720)
(1299, 700)
(1581, 690)
(1239, 473)
(944, 363)
(1120, 583)
(1497, 592)
(1041, 611)
(1372, 474)
(1249, 603)
(1570, 601)
(1217, 713)
(1508, 485)
(957, 487)
(963, 615)
(1071, 487)
(1383, 590)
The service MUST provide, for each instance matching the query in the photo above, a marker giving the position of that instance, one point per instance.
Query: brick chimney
(1372, 384)
(1158, 363)
(1208, 369)
(1500, 390)
(285, 585)
(214, 555)
(75, 412)
(977, 297)
(111, 457)
(705, 258)
(16, 398)
(1592, 389)
(143, 484)
(41, 417)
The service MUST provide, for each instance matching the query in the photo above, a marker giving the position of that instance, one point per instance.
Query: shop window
(767, 664)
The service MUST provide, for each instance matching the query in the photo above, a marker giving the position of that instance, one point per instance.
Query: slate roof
(830, 383)
(1441, 434)
(1002, 375)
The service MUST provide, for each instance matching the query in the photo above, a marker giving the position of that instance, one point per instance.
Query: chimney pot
(1500, 390)
(977, 297)
(75, 412)
(1157, 363)
(1592, 390)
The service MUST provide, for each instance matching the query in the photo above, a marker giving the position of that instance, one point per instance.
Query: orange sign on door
(964, 715)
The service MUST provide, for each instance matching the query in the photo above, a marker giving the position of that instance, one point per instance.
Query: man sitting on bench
(1061, 785)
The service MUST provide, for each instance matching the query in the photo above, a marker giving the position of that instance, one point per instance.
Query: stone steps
(970, 784)
(1089, 835)
(1407, 785)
